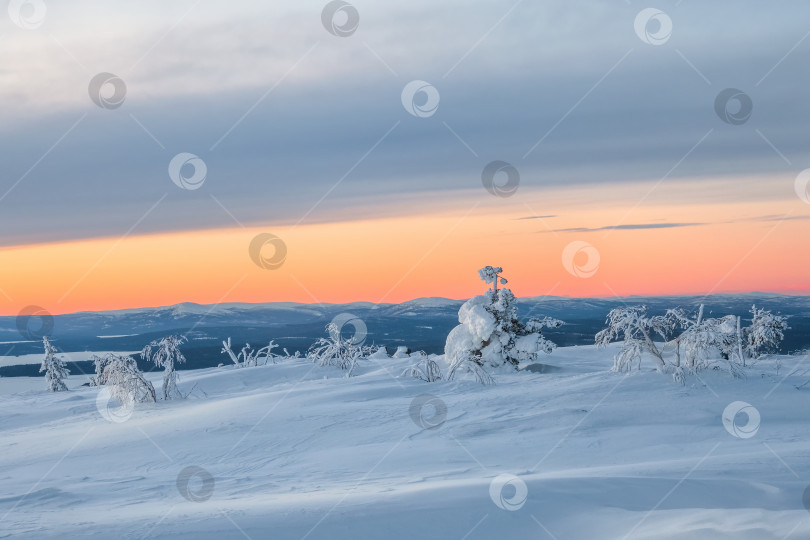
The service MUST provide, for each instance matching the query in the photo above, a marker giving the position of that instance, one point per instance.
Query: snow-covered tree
(336, 351)
(765, 333)
(637, 331)
(121, 375)
(165, 353)
(54, 368)
(491, 335)
(425, 369)
(249, 356)
(705, 342)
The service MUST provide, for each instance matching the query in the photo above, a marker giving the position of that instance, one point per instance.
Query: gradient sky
(304, 136)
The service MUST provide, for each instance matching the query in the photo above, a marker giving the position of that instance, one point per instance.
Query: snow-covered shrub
(705, 342)
(336, 351)
(249, 356)
(165, 353)
(765, 332)
(425, 369)
(637, 331)
(54, 368)
(121, 375)
(490, 334)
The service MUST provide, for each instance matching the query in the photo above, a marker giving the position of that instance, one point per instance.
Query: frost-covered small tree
(765, 333)
(491, 335)
(425, 369)
(165, 353)
(336, 351)
(124, 379)
(637, 331)
(54, 368)
(249, 356)
(704, 342)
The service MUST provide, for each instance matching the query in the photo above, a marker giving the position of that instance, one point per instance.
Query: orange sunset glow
(405, 257)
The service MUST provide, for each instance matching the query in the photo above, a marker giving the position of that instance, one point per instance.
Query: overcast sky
(280, 110)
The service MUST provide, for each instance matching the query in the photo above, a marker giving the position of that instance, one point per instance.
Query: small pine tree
(54, 368)
(490, 333)
(165, 353)
(765, 333)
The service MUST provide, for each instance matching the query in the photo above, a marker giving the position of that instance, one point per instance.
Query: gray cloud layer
(517, 85)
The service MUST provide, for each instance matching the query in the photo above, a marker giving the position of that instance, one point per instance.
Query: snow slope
(298, 451)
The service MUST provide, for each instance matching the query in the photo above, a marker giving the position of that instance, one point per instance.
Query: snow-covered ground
(298, 451)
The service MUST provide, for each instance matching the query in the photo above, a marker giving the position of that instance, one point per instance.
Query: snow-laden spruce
(165, 353)
(490, 334)
(54, 368)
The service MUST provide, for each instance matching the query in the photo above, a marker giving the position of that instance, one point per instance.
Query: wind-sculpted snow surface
(293, 450)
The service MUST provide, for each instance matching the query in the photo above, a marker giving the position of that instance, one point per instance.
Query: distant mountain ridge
(422, 323)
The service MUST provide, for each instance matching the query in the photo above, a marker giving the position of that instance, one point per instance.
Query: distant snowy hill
(418, 324)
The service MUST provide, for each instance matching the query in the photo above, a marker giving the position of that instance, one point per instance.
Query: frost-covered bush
(121, 375)
(490, 334)
(704, 342)
(425, 369)
(637, 331)
(765, 333)
(165, 353)
(336, 351)
(248, 356)
(698, 342)
(54, 368)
